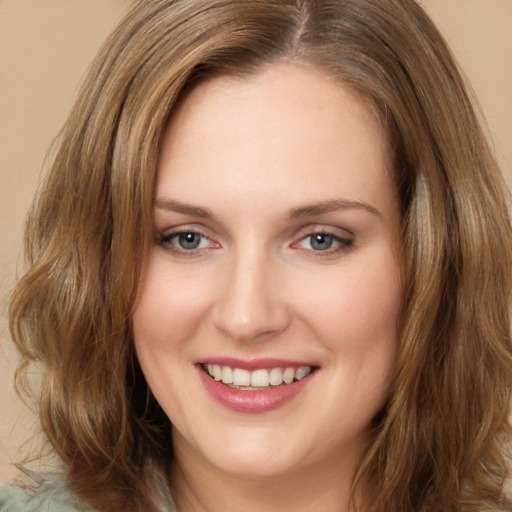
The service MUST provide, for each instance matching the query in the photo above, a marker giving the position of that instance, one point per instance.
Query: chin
(255, 464)
(255, 454)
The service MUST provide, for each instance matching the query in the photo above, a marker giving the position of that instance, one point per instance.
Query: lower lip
(241, 400)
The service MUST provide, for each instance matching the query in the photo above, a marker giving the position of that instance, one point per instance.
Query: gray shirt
(44, 493)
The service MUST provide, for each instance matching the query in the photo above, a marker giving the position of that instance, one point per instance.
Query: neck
(201, 487)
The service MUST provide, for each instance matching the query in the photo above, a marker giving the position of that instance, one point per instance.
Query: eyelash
(166, 240)
(343, 244)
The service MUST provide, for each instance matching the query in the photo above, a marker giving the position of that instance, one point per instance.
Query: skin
(251, 151)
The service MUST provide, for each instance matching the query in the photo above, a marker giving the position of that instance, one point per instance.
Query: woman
(270, 269)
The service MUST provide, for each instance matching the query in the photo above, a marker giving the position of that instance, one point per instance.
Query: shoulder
(47, 493)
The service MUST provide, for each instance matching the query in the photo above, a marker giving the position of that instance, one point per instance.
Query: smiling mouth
(256, 380)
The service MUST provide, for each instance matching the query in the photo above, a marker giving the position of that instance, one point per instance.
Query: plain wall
(45, 47)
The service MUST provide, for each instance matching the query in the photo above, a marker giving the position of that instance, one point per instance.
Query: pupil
(321, 242)
(189, 240)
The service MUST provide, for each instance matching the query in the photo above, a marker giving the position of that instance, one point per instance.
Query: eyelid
(342, 237)
(325, 229)
(166, 236)
(344, 241)
(173, 229)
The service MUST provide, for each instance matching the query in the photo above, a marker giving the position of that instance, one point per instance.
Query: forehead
(294, 87)
(287, 125)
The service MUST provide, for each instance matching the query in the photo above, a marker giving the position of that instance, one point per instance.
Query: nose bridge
(249, 302)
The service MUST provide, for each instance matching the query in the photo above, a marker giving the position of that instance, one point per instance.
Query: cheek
(170, 306)
(357, 309)
(165, 318)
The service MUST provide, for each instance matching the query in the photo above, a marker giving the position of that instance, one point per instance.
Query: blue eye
(324, 242)
(184, 241)
(321, 242)
(188, 240)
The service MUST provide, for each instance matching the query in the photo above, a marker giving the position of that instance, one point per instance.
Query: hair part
(439, 443)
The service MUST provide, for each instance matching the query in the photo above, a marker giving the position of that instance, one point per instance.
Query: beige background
(45, 46)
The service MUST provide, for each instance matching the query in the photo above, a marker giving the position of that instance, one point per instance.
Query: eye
(324, 242)
(188, 240)
(185, 241)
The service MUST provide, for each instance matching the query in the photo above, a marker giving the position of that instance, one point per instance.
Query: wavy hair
(440, 443)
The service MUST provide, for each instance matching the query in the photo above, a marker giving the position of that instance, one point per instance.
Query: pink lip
(240, 400)
(254, 364)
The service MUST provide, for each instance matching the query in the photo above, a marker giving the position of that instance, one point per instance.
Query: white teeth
(241, 377)
(275, 376)
(227, 375)
(288, 375)
(302, 371)
(261, 378)
(217, 372)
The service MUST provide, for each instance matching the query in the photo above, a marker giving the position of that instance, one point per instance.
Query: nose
(251, 303)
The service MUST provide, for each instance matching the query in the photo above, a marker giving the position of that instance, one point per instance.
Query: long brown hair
(440, 442)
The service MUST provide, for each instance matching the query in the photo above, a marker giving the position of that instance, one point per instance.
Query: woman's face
(267, 323)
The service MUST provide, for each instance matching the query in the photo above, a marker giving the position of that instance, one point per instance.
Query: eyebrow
(294, 214)
(186, 209)
(330, 207)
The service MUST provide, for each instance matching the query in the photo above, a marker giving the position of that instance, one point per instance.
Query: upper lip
(254, 364)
